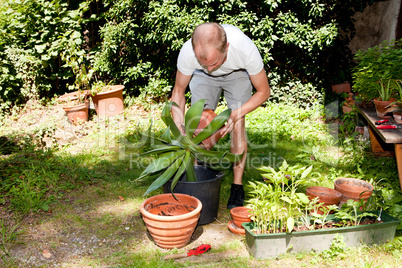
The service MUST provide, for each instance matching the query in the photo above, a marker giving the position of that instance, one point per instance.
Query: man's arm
(260, 83)
(178, 97)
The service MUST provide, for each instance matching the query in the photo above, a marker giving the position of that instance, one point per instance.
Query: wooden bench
(382, 140)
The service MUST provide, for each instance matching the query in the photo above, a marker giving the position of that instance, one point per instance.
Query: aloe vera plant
(178, 150)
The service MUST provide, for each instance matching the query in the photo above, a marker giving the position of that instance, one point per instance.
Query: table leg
(398, 154)
(377, 146)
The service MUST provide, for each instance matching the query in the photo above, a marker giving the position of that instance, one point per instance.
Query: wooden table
(383, 139)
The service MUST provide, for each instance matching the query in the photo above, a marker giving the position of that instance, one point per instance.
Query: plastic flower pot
(263, 246)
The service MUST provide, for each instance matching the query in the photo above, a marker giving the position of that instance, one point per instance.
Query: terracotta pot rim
(314, 189)
(239, 210)
(76, 107)
(378, 100)
(353, 194)
(115, 88)
(193, 213)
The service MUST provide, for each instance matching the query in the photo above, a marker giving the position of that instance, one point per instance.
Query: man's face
(214, 60)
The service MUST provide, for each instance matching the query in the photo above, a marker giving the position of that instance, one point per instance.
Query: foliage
(136, 42)
(177, 149)
(276, 204)
(350, 212)
(293, 92)
(336, 249)
(377, 66)
(33, 36)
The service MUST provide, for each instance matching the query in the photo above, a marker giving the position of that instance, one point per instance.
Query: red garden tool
(380, 122)
(195, 251)
(389, 126)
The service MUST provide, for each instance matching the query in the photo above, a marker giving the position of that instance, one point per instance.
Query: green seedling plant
(309, 205)
(275, 202)
(322, 218)
(177, 151)
(350, 212)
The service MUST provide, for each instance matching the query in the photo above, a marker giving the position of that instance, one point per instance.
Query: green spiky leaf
(214, 126)
(161, 163)
(193, 117)
(166, 135)
(190, 172)
(159, 182)
(162, 149)
(168, 120)
(180, 171)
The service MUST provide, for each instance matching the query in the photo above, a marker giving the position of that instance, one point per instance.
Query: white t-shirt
(242, 55)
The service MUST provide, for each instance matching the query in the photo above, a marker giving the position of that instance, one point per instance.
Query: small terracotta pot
(110, 102)
(77, 113)
(380, 107)
(240, 215)
(325, 195)
(206, 117)
(171, 222)
(353, 189)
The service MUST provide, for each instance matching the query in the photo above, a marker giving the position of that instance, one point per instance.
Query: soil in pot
(171, 222)
(206, 189)
(325, 195)
(353, 189)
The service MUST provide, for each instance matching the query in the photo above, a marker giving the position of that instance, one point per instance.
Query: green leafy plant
(376, 68)
(178, 151)
(350, 211)
(276, 204)
(322, 218)
(336, 249)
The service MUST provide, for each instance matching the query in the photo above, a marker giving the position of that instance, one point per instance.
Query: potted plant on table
(284, 219)
(386, 89)
(178, 152)
(375, 67)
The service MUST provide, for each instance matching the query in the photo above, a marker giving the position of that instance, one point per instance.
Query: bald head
(207, 36)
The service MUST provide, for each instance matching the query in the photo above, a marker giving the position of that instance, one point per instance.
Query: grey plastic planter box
(264, 246)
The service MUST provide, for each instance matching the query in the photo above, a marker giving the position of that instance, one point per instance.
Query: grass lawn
(68, 195)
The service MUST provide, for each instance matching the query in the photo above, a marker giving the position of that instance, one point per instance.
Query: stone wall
(377, 22)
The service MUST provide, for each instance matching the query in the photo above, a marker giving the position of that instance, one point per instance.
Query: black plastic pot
(206, 189)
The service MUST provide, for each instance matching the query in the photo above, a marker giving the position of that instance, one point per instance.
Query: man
(220, 58)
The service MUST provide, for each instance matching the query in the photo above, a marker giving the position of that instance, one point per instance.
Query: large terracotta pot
(171, 222)
(110, 102)
(353, 189)
(380, 107)
(78, 113)
(325, 195)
